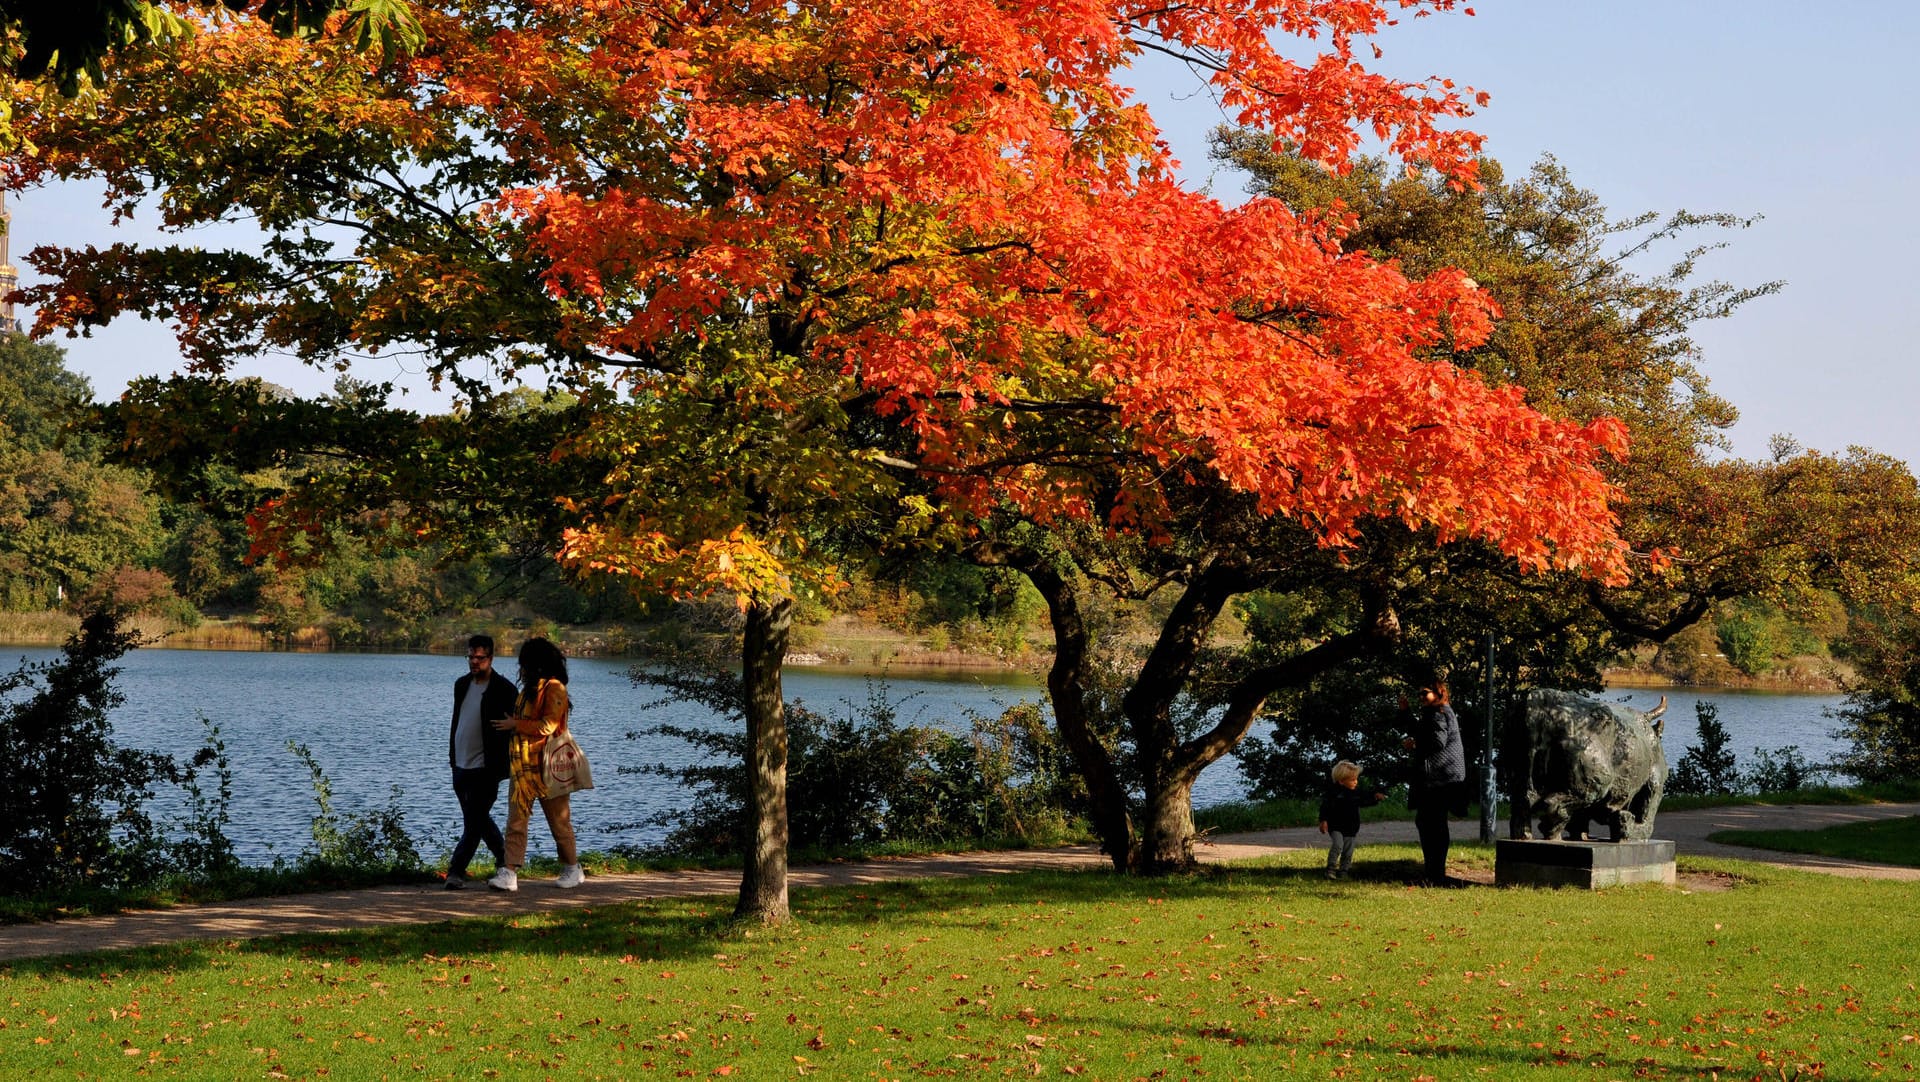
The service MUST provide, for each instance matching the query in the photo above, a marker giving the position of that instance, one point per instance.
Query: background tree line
(83, 522)
(83, 527)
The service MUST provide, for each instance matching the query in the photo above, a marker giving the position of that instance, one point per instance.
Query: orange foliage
(954, 214)
(967, 214)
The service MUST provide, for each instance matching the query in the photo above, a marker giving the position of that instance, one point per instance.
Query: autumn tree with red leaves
(820, 263)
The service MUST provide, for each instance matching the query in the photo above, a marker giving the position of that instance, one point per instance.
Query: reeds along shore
(54, 628)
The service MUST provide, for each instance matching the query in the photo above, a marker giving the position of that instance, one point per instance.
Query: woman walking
(540, 712)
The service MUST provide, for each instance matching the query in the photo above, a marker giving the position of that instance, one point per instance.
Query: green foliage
(1779, 770)
(1756, 634)
(861, 780)
(67, 519)
(950, 604)
(73, 810)
(203, 852)
(1750, 643)
(1707, 769)
(1311, 732)
(374, 840)
(39, 396)
(1881, 717)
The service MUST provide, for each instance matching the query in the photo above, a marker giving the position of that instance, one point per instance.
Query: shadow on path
(379, 907)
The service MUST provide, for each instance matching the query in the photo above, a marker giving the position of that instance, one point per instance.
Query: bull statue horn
(1654, 716)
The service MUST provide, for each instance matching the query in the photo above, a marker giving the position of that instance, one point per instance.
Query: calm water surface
(1753, 719)
(377, 723)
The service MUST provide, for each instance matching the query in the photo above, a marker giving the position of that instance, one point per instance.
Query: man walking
(478, 754)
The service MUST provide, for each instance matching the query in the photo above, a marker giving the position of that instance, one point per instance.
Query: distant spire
(9, 277)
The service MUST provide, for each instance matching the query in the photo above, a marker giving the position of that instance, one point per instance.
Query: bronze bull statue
(1590, 760)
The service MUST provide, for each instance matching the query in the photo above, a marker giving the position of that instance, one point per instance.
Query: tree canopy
(66, 517)
(797, 253)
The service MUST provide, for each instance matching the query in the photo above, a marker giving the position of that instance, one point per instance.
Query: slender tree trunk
(763, 883)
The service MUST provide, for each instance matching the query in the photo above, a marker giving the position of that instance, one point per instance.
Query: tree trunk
(763, 882)
(1166, 828)
(1167, 766)
(1069, 689)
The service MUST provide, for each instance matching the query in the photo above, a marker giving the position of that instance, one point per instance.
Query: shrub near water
(73, 807)
(862, 781)
(1247, 974)
(78, 832)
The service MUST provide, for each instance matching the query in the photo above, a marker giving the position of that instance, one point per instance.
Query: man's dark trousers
(477, 791)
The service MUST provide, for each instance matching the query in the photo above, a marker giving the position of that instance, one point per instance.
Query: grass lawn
(1256, 972)
(1884, 841)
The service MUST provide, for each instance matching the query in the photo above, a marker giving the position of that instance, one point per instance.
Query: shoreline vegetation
(845, 643)
(1829, 678)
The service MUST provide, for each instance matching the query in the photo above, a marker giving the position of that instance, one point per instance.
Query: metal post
(1488, 796)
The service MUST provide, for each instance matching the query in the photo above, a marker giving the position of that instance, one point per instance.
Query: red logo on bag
(564, 762)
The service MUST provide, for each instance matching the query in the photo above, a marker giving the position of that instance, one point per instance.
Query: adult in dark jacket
(1440, 777)
(478, 754)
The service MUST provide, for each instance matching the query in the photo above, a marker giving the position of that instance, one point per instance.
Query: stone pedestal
(1589, 865)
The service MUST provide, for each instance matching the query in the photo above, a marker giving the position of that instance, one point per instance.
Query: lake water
(1753, 719)
(377, 722)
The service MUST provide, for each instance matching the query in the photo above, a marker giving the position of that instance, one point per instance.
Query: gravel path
(423, 904)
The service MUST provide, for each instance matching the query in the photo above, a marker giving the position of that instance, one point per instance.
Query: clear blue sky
(1798, 112)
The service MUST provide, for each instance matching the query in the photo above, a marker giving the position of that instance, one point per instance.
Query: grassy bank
(36, 628)
(1890, 841)
(1249, 973)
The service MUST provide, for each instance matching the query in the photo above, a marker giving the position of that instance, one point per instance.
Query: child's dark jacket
(1340, 807)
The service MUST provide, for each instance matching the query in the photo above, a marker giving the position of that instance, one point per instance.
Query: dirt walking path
(425, 904)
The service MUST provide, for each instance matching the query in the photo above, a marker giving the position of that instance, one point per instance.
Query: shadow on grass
(680, 928)
(662, 929)
(1449, 1058)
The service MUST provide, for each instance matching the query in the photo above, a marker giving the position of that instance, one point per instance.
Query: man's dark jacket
(496, 702)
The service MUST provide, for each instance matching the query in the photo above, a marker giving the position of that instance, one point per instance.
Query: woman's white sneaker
(504, 879)
(570, 876)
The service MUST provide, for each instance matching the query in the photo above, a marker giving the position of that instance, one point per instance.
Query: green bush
(1751, 642)
(73, 809)
(1707, 769)
(861, 779)
(1881, 718)
(370, 841)
(1779, 770)
(203, 852)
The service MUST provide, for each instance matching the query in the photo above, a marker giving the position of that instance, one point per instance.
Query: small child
(1340, 816)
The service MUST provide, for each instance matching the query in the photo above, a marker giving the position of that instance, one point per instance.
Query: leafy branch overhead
(878, 217)
(66, 42)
